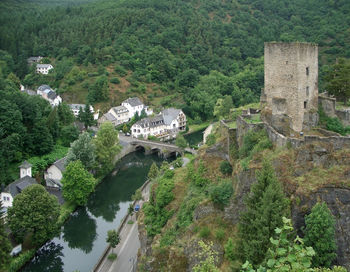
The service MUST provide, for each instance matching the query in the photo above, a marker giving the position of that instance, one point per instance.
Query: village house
(76, 109)
(32, 60)
(27, 91)
(122, 114)
(54, 173)
(50, 95)
(165, 125)
(134, 105)
(116, 115)
(43, 68)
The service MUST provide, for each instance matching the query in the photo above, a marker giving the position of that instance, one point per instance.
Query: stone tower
(291, 86)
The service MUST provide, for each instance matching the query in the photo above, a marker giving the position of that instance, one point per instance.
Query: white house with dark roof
(133, 105)
(116, 115)
(76, 109)
(50, 95)
(55, 172)
(18, 185)
(32, 60)
(165, 125)
(43, 68)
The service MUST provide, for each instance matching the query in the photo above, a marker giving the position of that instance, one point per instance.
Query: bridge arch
(140, 148)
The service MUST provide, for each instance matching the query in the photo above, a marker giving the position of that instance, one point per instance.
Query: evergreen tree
(5, 246)
(65, 114)
(86, 117)
(153, 171)
(320, 234)
(266, 205)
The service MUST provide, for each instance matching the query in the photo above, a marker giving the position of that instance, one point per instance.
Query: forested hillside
(168, 47)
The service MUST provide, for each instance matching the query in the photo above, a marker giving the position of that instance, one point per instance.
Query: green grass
(232, 124)
(254, 119)
(196, 127)
(66, 209)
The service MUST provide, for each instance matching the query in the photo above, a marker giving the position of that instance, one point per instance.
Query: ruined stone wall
(243, 127)
(328, 104)
(229, 134)
(291, 80)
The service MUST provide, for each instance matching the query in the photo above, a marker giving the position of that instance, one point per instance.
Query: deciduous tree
(77, 182)
(34, 212)
(83, 149)
(107, 146)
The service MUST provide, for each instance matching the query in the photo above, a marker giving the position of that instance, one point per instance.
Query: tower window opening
(305, 104)
(307, 71)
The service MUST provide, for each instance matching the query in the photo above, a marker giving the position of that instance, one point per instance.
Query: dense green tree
(86, 116)
(153, 171)
(35, 213)
(113, 238)
(107, 146)
(83, 149)
(69, 134)
(320, 235)
(99, 90)
(223, 106)
(338, 79)
(40, 138)
(5, 246)
(181, 141)
(266, 205)
(78, 183)
(65, 114)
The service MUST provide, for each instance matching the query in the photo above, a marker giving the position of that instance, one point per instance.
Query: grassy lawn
(255, 118)
(195, 127)
(232, 124)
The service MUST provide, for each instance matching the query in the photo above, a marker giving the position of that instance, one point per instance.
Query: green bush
(19, 261)
(137, 195)
(178, 162)
(220, 194)
(211, 139)
(112, 257)
(120, 70)
(220, 234)
(225, 168)
(204, 232)
(254, 142)
(332, 123)
(230, 250)
(115, 80)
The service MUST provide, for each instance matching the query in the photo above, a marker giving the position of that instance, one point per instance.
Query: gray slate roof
(133, 101)
(43, 65)
(51, 95)
(25, 164)
(29, 92)
(109, 117)
(76, 106)
(60, 164)
(119, 109)
(19, 185)
(151, 121)
(57, 193)
(169, 115)
(44, 87)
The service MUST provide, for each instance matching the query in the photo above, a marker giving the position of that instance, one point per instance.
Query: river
(194, 138)
(83, 236)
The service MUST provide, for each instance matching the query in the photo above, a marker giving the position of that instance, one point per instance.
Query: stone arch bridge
(162, 149)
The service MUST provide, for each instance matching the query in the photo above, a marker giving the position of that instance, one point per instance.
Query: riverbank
(127, 249)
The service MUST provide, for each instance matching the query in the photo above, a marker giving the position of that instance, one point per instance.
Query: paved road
(128, 247)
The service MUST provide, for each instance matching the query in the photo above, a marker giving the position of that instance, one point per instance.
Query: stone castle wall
(291, 81)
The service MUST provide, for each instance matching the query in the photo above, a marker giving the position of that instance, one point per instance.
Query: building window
(307, 91)
(305, 104)
(307, 71)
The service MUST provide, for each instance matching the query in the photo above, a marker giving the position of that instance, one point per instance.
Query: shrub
(112, 257)
(230, 250)
(137, 195)
(204, 232)
(19, 261)
(220, 234)
(220, 194)
(211, 139)
(254, 142)
(120, 70)
(225, 168)
(178, 162)
(115, 80)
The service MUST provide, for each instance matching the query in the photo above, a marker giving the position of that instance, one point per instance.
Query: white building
(165, 126)
(134, 105)
(43, 68)
(116, 115)
(76, 109)
(55, 171)
(50, 95)
(7, 201)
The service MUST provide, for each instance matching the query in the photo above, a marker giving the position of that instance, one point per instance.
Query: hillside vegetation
(181, 53)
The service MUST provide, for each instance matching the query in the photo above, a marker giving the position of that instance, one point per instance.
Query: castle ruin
(290, 96)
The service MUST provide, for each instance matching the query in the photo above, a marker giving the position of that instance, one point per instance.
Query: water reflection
(80, 231)
(48, 258)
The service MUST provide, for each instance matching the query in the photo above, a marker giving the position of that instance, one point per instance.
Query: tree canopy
(35, 213)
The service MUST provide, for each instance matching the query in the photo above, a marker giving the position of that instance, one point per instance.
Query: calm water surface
(83, 237)
(194, 138)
